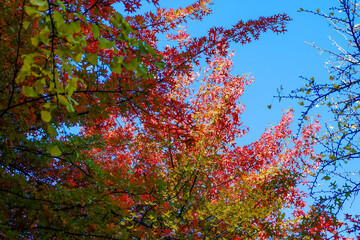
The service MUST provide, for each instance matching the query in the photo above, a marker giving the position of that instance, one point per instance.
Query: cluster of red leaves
(181, 161)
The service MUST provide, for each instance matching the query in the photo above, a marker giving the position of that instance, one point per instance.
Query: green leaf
(347, 147)
(32, 11)
(51, 130)
(326, 178)
(92, 58)
(63, 100)
(28, 91)
(35, 41)
(132, 65)
(39, 3)
(58, 17)
(69, 90)
(39, 86)
(54, 150)
(73, 27)
(150, 49)
(47, 105)
(45, 31)
(81, 16)
(78, 57)
(62, 51)
(115, 65)
(105, 44)
(45, 116)
(75, 102)
(43, 8)
(26, 25)
(301, 103)
(96, 31)
(61, 5)
(70, 108)
(160, 65)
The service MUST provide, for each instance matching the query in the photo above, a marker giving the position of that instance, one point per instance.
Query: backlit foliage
(107, 135)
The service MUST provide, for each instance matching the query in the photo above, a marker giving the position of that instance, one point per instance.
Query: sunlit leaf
(54, 150)
(39, 3)
(63, 100)
(95, 30)
(28, 91)
(45, 116)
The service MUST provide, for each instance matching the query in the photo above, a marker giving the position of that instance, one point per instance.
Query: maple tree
(106, 134)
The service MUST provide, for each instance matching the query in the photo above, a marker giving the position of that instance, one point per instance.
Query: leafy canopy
(103, 134)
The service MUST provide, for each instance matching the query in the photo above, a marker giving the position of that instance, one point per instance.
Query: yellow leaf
(39, 3)
(54, 150)
(28, 91)
(70, 108)
(47, 105)
(32, 11)
(62, 100)
(39, 86)
(45, 116)
(78, 57)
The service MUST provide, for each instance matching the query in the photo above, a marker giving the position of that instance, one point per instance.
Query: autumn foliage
(108, 134)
